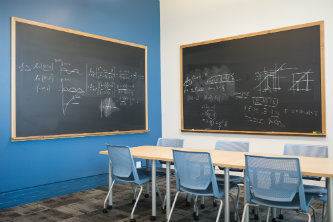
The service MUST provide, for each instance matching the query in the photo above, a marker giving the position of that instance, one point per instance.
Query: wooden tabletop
(310, 166)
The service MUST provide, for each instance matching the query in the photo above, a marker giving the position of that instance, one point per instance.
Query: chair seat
(314, 189)
(160, 172)
(293, 205)
(232, 179)
(143, 175)
(208, 192)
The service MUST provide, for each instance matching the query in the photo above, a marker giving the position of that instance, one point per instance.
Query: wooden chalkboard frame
(322, 64)
(13, 82)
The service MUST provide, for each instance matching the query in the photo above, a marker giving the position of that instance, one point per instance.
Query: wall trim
(46, 191)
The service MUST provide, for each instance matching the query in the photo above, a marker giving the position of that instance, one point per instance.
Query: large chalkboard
(270, 82)
(67, 83)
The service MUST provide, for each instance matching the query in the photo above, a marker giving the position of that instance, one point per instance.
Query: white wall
(189, 21)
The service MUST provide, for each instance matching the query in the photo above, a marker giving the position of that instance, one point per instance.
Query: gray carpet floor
(88, 205)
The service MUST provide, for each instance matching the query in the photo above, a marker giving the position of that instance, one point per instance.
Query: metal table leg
(226, 195)
(329, 182)
(168, 195)
(153, 190)
(110, 182)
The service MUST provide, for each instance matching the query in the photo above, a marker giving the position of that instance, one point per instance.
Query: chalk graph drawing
(301, 81)
(269, 80)
(69, 95)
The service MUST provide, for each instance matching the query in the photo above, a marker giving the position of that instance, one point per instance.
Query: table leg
(168, 195)
(110, 182)
(153, 190)
(329, 213)
(226, 195)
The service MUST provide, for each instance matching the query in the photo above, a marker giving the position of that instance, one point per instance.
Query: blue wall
(33, 163)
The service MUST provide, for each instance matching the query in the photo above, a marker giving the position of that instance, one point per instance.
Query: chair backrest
(274, 179)
(237, 146)
(170, 142)
(122, 164)
(194, 170)
(306, 150)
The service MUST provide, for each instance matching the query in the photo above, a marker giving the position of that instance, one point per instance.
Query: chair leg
(202, 205)
(136, 202)
(219, 212)
(159, 194)
(134, 193)
(274, 217)
(325, 218)
(147, 184)
(259, 213)
(235, 207)
(147, 191)
(195, 208)
(314, 213)
(256, 212)
(188, 199)
(238, 195)
(173, 206)
(107, 196)
(246, 207)
(268, 214)
(164, 204)
(324, 210)
(281, 214)
(309, 216)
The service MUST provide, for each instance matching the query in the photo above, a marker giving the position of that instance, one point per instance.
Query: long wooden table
(310, 166)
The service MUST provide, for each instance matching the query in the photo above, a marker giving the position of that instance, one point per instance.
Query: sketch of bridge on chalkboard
(269, 80)
(99, 81)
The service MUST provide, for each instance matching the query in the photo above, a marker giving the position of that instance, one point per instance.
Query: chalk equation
(213, 84)
(259, 99)
(114, 86)
(210, 117)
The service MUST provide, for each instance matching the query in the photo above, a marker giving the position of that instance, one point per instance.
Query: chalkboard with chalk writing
(270, 82)
(67, 83)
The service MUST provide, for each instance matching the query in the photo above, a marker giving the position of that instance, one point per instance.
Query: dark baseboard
(33, 194)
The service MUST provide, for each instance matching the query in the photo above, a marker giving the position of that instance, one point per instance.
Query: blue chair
(275, 182)
(166, 142)
(170, 142)
(195, 175)
(308, 151)
(123, 170)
